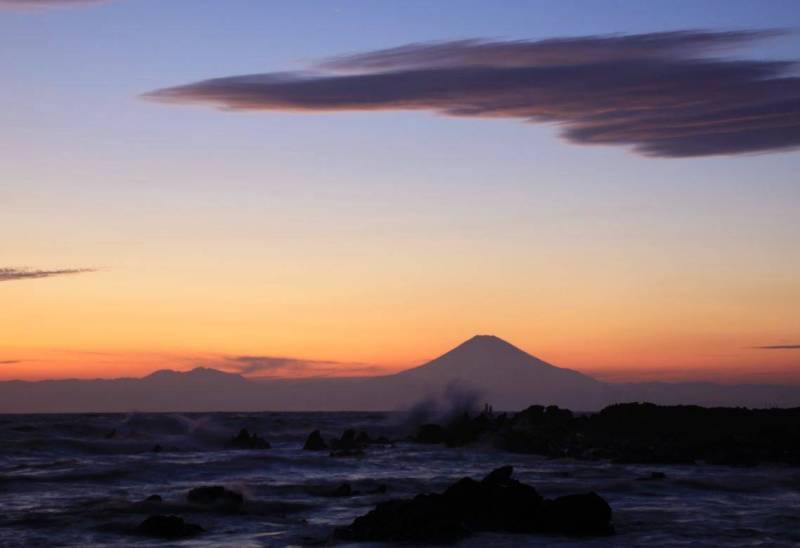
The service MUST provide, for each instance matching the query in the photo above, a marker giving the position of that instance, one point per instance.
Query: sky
(352, 187)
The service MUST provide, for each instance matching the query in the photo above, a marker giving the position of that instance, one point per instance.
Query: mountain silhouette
(482, 369)
(503, 375)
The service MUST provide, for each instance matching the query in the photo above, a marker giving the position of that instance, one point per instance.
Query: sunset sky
(257, 186)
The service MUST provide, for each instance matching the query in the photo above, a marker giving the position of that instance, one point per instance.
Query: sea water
(80, 479)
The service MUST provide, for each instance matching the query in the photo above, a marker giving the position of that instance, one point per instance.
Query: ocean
(81, 479)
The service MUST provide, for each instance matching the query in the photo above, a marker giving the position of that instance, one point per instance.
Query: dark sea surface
(63, 482)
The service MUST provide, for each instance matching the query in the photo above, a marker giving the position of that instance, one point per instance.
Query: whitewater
(82, 479)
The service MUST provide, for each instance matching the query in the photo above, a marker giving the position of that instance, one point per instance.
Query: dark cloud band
(658, 93)
(779, 347)
(10, 274)
(271, 366)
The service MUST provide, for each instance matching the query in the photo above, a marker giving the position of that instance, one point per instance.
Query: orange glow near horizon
(114, 324)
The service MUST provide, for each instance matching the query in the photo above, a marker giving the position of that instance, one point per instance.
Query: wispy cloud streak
(662, 94)
(281, 366)
(778, 347)
(11, 274)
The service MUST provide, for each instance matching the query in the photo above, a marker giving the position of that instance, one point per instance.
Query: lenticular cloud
(675, 94)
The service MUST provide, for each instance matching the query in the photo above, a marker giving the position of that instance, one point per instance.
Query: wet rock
(244, 440)
(654, 476)
(168, 527)
(314, 442)
(215, 495)
(154, 498)
(430, 433)
(497, 503)
(347, 453)
(343, 490)
(577, 515)
(348, 442)
(425, 518)
(379, 490)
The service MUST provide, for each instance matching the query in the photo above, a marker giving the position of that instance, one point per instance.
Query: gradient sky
(365, 241)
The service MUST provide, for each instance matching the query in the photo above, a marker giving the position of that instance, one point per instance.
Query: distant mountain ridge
(484, 368)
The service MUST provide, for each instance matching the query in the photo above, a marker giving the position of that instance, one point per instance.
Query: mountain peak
(490, 344)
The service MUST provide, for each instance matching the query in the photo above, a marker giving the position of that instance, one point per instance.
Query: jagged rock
(347, 453)
(578, 515)
(497, 503)
(215, 495)
(654, 476)
(430, 433)
(246, 441)
(379, 490)
(168, 527)
(348, 441)
(314, 442)
(343, 490)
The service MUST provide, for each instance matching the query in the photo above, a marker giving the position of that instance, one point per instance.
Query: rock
(154, 498)
(215, 495)
(168, 527)
(157, 448)
(379, 490)
(245, 441)
(347, 453)
(344, 490)
(425, 518)
(430, 433)
(314, 442)
(577, 515)
(363, 438)
(348, 442)
(497, 503)
(654, 476)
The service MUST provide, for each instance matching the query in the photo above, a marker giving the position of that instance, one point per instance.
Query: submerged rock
(214, 495)
(168, 527)
(246, 441)
(497, 503)
(314, 442)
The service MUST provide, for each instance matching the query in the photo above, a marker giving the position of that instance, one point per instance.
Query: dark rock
(425, 518)
(348, 442)
(654, 476)
(168, 527)
(497, 503)
(430, 433)
(380, 490)
(157, 448)
(578, 515)
(347, 453)
(314, 442)
(215, 495)
(363, 438)
(343, 490)
(112, 434)
(246, 441)
(154, 498)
